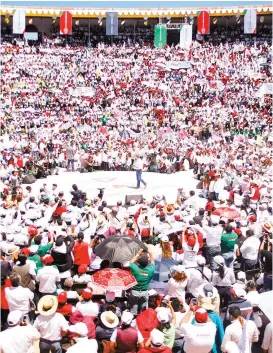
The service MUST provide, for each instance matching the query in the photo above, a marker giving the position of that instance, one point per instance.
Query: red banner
(203, 23)
(66, 23)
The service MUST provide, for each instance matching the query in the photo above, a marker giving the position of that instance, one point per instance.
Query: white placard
(19, 21)
(185, 35)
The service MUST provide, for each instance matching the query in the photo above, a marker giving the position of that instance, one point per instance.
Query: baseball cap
(179, 268)
(208, 290)
(87, 293)
(127, 317)
(157, 337)
(14, 317)
(79, 328)
(163, 316)
(48, 259)
(219, 260)
(62, 297)
(238, 292)
(241, 275)
(201, 315)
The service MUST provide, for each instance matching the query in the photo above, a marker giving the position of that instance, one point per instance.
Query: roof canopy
(137, 13)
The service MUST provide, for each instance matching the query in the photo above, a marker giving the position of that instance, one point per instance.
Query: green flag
(160, 38)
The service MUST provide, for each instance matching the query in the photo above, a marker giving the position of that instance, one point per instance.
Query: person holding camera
(20, 335)
(266, 260)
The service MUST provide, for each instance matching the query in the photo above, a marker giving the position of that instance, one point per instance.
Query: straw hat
(47, 305)
(109, 319)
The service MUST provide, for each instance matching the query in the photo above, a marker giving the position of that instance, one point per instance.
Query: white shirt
(235, 333)
(250, 248)
(47, 278)
(84, 345)
(213, 235)
(267, 341)
(177, 289)
(18, 298)
(190, 254)
(227, 281)
(88, 308)
(195, 280)
(138, 164)
(18, 339)
(253, 297)
(50, 327)
(199, 338)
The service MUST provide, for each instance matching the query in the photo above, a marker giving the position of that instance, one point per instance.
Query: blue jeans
(70, 161)
(47, 346)
(229, 259)
(138, 301)
(139, 177)
(267, 282)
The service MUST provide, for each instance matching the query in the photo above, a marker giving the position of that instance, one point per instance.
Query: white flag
(185, 35)
(250, 21)
(19, 21)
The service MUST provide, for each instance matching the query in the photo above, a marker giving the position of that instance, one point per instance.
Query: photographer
(20, 336)
(266, 259)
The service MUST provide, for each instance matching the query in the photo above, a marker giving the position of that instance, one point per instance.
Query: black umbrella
(119, 248)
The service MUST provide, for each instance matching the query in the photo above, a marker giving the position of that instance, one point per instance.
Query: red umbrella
(114, 279)
(226, 212)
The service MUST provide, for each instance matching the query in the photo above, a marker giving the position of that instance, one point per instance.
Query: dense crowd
(78, 274)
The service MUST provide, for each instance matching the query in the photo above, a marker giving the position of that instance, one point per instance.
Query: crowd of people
(200, 273)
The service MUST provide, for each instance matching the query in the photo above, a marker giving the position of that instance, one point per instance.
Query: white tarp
(82, 91)
(267, 88)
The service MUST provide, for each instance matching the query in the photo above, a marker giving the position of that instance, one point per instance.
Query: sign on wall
(160, 38)
(185, 35)
(66, 23)
(203, 23)
(250, 21)
(111, 23)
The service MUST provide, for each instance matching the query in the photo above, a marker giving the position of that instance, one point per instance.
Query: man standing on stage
(138, 167)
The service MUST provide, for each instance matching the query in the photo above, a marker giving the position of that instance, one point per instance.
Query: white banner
(267, 88)
(19, 21)
(82, 91)
(185, 35)
(176, 65)
(250, 21)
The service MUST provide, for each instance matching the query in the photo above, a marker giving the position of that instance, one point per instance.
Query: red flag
(66, 23)
(203, 22)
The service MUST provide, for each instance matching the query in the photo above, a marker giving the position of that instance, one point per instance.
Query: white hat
(200, 260)
(127, 317)
(133, 202)
(33, 249)
(109, 319)
(14, 317)
(239, 292)
(80, 328)
(157, 337)
(164, 238)
(10, 238)
(219, 260)
(163, 316)
(241, 275)
(179, 268)
(214, 219)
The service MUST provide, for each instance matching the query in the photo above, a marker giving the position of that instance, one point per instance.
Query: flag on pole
(19, 21)
(160, 37)
(185, 35)
(203, 22)
(250, 21)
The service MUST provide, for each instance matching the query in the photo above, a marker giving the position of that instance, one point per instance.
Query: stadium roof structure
(137, 13)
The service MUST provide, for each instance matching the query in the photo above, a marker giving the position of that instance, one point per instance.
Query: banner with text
(66, 23)
(185, 35)
(203, 23)
(250, 21)
(19, 21)
(160, 37)
(111, 23)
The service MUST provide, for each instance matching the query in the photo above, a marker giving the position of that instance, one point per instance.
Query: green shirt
(142, 275)
(228, 242)
(43, 249)
(169, 336)
(36, 258)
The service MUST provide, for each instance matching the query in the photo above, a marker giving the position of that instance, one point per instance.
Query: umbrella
(163, 269)
(119, 248)
(266, 304)
(114, 279)
(226, 212)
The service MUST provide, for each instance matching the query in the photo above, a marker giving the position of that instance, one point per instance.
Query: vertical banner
(160, 36)
(203, 22)
(185, 35)
(66, 23)
(250, 21)
(19, 21)
(111, 23)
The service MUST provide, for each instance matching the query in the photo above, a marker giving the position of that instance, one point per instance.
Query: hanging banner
(160, 36)
(66, 23)
(111, 23)
(185, 35)
(19, 21)
(250, 21)
(203, 23)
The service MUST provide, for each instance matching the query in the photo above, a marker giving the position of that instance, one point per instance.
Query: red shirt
(81, 254)
(3, 302)
(209, 206)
